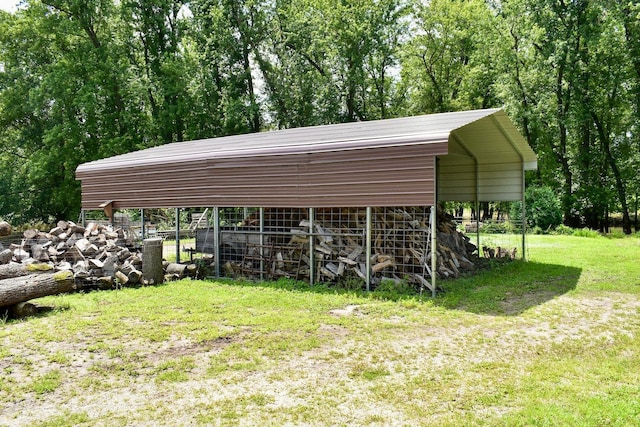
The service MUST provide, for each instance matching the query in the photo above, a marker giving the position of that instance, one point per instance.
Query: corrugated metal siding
(377, 163)
(456, 180)
(500, 182)
(383, 177)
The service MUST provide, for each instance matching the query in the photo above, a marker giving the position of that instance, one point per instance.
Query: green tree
(542, 208)
(449, 64)
(328, 61)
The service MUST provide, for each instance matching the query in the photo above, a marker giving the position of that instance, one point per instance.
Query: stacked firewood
(98, 255)
(400, 240)
(94, 254)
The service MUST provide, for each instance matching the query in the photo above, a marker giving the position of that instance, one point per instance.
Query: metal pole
(261, 242)
(524, 218)
(216, 238)
(177, 235)
(478, 225)
(83, 216)
(142, 233)
(312, 257)
(434, 250)
(368, 250)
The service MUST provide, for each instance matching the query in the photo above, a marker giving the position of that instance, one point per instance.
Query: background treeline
(86, 79)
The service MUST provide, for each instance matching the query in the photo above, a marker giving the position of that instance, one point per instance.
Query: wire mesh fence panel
(277, 251)
(331, 245)
(401, 245)
(339, 246)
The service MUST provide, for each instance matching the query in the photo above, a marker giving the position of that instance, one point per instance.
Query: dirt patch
(516, 304)
(349, 310)
(173, 348)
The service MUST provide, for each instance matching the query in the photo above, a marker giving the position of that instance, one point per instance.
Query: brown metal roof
(377, 163)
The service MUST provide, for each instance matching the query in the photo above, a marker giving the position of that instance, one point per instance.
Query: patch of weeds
(171, 376)
(375, 419)
(393, 290)
(6, 384)
(367, 371)
(91, 383)
(223, 410)
(116, 351)
(260, 399)
(67, 419)
(4, 352)
(47, 383)
(98, 347)
(59, 357)
(174, 370)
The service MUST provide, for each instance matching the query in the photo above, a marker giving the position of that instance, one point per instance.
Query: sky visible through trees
(86, 79)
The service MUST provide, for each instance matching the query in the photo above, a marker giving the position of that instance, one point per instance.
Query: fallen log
(22, 309)
(8, 271)
(20, 289)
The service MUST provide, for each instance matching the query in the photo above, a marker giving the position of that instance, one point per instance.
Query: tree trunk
(620, 184)
(19, 289)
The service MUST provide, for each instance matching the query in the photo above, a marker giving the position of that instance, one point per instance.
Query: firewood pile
(400, 239)
(71, 257)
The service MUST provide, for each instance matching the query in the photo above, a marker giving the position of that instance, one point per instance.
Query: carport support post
(434, 250)
(312, 258)
(261, 210)
(142, 233)
(368, 249)
(524, 219)
(478, 225)
(178, 235)
(216, 238)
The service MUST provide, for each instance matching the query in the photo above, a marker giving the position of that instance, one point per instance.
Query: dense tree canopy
(86, 79)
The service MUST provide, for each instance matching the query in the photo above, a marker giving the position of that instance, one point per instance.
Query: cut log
(105, 282)
(122, 278)
(22, 309)
(25, 288)
(382, 265)
(5, 256)
(30, 234)
(20, 254)
(192, 270)
(134, 276)
(40, 253)
(16, 270)
(5, 229)
(174, 268)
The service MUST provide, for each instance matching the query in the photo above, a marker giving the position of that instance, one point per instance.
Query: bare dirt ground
(322, 386)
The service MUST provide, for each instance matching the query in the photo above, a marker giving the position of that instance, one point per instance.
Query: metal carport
(472, 156)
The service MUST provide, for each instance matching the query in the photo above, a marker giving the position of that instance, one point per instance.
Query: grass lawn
(554, 341)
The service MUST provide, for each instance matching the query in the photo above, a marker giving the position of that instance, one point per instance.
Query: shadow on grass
(508, 289)
(504, 289)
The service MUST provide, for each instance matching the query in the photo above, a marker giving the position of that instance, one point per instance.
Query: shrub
(497, 228)
(585, 232)
(542, 208)
(564, 230)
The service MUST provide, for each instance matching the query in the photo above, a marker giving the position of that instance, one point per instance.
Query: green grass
(554, 341)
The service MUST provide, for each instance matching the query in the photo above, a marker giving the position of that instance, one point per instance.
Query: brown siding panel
(381, 177)
(378, 163)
